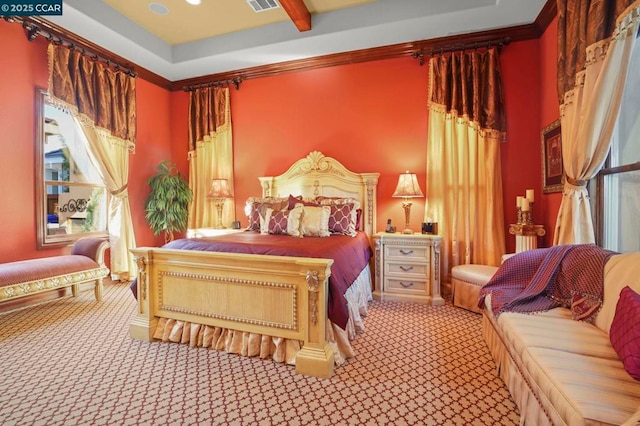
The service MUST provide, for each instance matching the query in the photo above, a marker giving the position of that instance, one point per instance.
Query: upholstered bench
(84, 264)
(466, 282)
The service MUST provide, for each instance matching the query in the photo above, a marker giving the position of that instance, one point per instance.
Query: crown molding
(416, 49)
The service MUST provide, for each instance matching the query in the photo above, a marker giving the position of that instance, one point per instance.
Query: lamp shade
(408, 186)
(219, 189)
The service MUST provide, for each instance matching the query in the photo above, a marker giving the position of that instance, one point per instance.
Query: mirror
(71, 200)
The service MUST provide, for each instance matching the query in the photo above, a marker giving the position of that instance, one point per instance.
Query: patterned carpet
(71, 362)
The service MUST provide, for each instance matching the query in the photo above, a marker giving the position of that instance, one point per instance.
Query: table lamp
(219, 193)
(407, 188)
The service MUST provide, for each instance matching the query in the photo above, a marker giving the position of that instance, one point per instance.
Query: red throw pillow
(625, 331)
(299, 200)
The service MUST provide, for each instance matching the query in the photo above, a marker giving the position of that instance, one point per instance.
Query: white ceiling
(360, 26)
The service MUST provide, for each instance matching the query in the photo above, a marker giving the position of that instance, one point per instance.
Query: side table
(407, 267)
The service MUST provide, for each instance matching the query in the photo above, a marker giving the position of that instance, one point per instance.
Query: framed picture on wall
(552, 167)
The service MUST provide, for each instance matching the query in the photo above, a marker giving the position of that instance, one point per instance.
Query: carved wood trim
(517, 33)
(290, 288)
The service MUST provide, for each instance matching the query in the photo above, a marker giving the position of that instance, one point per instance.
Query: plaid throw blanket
(538, 280)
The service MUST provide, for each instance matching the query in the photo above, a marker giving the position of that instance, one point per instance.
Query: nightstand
(407, 267)
(210, 232)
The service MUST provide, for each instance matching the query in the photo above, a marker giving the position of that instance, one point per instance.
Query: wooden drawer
(405, 285)
(393, 252)
(407, 268)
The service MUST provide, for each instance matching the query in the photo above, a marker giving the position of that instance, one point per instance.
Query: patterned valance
(468, 84)
(583, 23)
(207, 112)
(105, 97)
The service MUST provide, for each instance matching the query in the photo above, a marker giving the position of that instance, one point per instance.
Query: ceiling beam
(298, 13)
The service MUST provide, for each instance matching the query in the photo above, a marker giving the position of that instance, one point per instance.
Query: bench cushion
(37, 269)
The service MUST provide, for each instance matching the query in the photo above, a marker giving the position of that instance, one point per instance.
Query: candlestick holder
(525, 216)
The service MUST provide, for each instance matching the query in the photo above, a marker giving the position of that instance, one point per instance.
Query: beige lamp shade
(219, 189)
(408, 187)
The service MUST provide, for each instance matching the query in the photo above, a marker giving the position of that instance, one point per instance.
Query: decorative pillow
(625, 331)
(585, 307)
(299, 200)
(341, 219)
(283, 222)
(315, 221)
(358, 219)
(256, 207)
(354, 218)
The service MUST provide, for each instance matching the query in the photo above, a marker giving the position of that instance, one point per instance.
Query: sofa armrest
(91, 247)
(634, 420)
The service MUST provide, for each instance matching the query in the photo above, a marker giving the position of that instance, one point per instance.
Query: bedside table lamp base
(406, 205)
(219, 205)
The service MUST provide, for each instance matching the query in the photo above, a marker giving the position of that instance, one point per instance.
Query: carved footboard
(278, 296)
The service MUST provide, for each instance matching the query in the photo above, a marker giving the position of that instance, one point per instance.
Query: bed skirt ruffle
(276, 348)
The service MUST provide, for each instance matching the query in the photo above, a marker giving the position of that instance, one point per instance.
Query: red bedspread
(350, 256)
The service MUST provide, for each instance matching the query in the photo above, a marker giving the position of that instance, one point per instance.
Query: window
(71, 198)
(617, 207)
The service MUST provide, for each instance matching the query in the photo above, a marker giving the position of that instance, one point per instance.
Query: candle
(519, 199)
(530, 195)
(525, 205)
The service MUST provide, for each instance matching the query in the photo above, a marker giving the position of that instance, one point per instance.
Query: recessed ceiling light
(158, 8)
(194, 2)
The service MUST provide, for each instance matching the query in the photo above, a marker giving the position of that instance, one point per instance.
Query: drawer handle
(406, 285)
(406, 252)
(406, 268)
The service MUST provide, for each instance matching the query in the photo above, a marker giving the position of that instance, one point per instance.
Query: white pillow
(315, 221)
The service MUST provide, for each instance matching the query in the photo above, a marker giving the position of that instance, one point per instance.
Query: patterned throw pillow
(625, 331)
(315, 221)
(341, 219)
(281, 222)
(256, 207)
(354, 218)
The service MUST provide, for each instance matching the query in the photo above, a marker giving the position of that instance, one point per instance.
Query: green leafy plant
(167, 206)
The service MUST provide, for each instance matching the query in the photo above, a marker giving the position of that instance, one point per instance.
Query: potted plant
(167, 206)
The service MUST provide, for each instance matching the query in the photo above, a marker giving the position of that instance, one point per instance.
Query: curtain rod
(235, 81)
(439, 50)
(34, 30)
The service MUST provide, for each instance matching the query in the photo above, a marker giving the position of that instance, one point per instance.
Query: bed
(266, 298)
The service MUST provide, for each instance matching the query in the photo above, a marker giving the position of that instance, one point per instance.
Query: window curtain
(210, 153)
(464, 183)
(104, 103)
(595, 41)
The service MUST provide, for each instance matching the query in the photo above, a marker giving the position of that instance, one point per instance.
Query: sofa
(563, 371)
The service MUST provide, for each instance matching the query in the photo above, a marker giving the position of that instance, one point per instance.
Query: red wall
(521, 157)
(371, 116)
(23, 67)
(550, 112)
(153, 145)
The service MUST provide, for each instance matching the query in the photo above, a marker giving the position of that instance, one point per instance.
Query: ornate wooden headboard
(317, 175)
